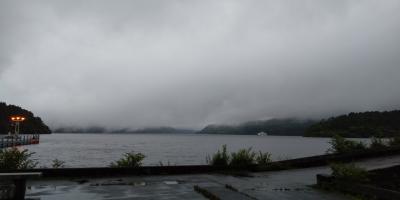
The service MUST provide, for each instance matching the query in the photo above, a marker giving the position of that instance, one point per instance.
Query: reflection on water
(84, 150)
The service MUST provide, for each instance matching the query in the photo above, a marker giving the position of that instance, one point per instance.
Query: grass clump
(240, 159)
(349, 172)
(57, 163)
(377, 143)
(342, 145)
(243, 158)
(130, 160)
(263, 159)
(221, 158)
(395, 141)
(13, 158)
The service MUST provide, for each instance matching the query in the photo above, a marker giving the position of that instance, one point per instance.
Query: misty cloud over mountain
(190, 63)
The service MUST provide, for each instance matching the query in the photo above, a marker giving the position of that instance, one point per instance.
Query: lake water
(91, 150)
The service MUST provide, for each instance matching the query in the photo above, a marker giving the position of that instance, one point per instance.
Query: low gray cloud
(190, 63)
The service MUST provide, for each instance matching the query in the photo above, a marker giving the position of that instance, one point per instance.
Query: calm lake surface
(96, 150)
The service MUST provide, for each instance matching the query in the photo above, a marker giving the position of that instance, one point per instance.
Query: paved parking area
(260, 186)
(288, 184)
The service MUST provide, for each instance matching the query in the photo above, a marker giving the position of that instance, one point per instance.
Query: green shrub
(13, 158)
(395, 141)
(242, 158)
(349, 172)
(58, 163)
(131, 160)
(239, 159)
(342, 145)
(377, 143)
(263, 159)
(221, 158)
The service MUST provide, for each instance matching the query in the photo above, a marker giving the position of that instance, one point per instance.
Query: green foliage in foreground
(243, 158)
(377, 143)
(131, 160)
(342, 145)
(263, 159)
(239, 159)
(221, 158)
(394, 141)
(13, 158)
(349, 172)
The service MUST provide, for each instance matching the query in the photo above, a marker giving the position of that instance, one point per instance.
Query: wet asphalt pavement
(288, 184)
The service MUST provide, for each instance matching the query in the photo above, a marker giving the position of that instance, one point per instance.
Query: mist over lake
(187, 64)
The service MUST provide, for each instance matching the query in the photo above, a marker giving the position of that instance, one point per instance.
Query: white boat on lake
(262, 134)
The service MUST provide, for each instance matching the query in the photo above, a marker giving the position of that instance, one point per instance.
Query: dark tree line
(290, 127)
(366, 124)
(31, 125)
(99, 129)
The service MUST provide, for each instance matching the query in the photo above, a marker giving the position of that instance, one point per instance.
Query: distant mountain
(163, 130)
(31, 125)
(290, 127)
(365, 124)
(71, 129)
(97, 129)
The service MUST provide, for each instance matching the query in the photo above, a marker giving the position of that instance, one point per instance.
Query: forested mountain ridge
(364, 124)
(100, 129)
(290, 126)
(31, 125)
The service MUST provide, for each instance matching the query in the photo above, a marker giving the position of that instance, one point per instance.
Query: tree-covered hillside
(164, 129)
(366, 124)
(100, 129)
(272, 127)
(31, 125)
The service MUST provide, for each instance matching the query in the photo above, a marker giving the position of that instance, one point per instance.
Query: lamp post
(17, 120)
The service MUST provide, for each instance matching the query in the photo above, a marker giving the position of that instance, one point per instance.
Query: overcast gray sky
(190, 63)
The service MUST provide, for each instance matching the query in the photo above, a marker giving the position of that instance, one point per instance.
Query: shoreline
(298, 163)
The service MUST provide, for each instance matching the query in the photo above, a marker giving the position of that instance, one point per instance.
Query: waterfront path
(288, 184)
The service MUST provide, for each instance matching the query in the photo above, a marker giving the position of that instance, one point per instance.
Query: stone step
(221, 193)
